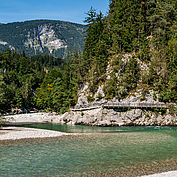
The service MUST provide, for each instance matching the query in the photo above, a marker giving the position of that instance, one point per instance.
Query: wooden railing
(135, 105)
(91, 106)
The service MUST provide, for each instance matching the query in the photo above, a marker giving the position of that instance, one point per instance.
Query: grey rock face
(42, 36)
(115, 117)
(134, 114)
(111, 117)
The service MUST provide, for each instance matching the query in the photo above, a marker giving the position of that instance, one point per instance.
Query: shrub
(99, 96)
(2, 121)
(172, 109)
(90, 98)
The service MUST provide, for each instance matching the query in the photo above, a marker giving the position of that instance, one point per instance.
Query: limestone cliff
(42, 36)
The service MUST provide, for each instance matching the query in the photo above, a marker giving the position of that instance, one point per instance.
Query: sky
(65, 10)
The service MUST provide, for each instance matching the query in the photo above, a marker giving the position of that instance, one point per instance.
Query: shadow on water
(94, 129)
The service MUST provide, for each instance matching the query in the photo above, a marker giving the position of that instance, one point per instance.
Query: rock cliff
(121, 117)
(42, 36)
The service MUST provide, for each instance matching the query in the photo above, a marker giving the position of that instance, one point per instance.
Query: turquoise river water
(103, 149)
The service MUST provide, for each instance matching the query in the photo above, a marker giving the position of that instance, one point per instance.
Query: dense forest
(40, 82)
(146, 30)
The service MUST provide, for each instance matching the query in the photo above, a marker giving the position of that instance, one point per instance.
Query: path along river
(108, 151)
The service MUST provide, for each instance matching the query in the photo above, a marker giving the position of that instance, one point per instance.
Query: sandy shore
(14, 133)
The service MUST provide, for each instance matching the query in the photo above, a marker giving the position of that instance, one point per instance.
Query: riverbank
(165, 174)
(23, 135)
(16, 133)
(40, 117)
(159, 169)
(98, 117)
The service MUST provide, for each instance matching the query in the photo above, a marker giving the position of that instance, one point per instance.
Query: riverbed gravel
(32, 118)
(14, 133)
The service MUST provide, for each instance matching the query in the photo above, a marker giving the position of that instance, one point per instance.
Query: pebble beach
(15, 133)
(33, 118)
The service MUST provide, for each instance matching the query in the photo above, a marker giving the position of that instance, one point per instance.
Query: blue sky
(67, 10)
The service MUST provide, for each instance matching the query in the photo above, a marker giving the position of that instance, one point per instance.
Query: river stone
(104, 123)
(134, 114)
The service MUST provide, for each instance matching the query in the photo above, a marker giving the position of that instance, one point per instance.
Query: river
(104, 150)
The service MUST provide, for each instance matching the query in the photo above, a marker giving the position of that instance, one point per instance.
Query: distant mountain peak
(42, 36)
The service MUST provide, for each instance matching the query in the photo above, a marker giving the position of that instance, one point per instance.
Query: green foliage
(19, 79)
(47, 61)
(117, 64)
(172, 109)
(90, 98)
(169, 93)
(127, 20)
(95, 50)
(99, 96)
(110, 89)
(154, 96)
(58, 90)
(131, 75)
(2, 121)
(146, 30)
(35, 83)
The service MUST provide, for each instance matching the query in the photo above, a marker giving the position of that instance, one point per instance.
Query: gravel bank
(166, 174)
(32, 118)
(15, 133)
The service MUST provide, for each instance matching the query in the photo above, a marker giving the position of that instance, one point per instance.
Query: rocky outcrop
(44, 37)
(101, 116)
(95, 114)
(98, 117)
(5, 44)
(112, 117)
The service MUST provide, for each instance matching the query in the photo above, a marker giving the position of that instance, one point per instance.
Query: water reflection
(89, 129)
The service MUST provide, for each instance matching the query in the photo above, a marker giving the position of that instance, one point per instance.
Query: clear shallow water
(94, 129)
(104, 152)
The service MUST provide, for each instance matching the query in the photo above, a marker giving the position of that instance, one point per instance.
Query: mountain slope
(42, 36)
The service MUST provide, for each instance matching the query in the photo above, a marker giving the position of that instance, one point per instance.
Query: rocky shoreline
(113, 117)
(95, 114)
(98, 117)
(40, 117)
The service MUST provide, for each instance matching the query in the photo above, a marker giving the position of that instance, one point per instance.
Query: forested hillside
(41, 82)
(133, 48)
(42, 36)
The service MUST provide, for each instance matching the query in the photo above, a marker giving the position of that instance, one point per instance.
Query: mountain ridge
(42, 36)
